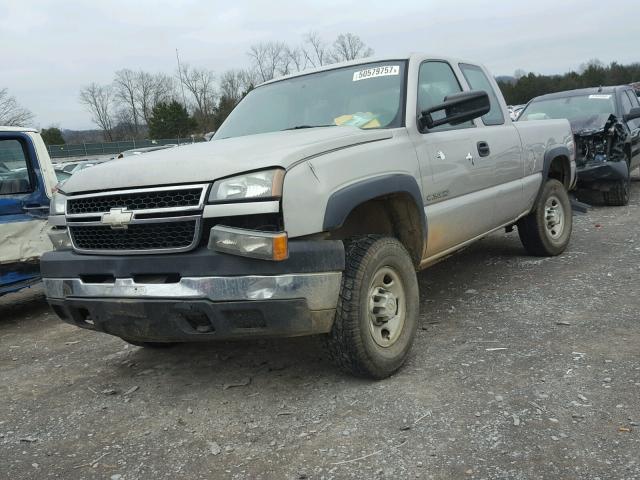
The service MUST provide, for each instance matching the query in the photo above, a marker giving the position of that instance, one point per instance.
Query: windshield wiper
(300, 127)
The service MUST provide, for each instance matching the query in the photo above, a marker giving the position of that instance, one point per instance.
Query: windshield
(581, 109)
(365, 96)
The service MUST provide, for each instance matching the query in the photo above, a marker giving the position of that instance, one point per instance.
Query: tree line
(523, 86)
(138, 104)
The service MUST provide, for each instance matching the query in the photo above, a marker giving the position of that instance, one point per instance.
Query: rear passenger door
(497, 146)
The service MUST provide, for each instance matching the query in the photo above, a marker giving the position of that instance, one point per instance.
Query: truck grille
(137, 221)
(144, 236)
(187, 197)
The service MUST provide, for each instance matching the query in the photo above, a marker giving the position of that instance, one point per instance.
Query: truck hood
(205, 162)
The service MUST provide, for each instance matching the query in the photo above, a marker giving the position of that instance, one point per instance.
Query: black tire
(619, 194)
(154, 345)
(356, 341)
(536, 233)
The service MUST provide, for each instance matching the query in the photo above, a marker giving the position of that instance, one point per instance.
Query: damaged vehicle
(606, 126)
(27, 180)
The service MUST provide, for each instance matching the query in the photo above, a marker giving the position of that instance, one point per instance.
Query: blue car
(27, 181)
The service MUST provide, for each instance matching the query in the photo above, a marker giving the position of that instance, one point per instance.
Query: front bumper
(603, 172)
(181, 297)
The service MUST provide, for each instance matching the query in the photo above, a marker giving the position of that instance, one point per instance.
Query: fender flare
(342, 202)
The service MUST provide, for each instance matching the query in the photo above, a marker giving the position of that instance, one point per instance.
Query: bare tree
(151, 90)
(99, 101)
(269, 59)
(519, 73)
(349, 47)
(297, 58)
(315, 50)
(11, 112)
(144, 92)
(234, 83)
(164, 88)
(200, 83)
(126, 86)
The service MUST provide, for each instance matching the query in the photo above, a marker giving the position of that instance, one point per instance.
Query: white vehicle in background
(515, 111)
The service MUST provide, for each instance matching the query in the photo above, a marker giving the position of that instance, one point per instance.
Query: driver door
(454, 180)
(24, 207)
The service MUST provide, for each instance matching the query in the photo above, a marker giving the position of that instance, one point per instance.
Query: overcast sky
(50, 49)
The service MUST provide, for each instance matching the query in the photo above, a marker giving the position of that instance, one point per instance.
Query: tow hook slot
(197, 320)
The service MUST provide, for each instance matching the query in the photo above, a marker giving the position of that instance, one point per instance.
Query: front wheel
(619, 193)
(377, 314)
(546, 231)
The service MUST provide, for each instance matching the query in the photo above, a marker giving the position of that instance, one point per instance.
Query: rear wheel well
(560, 169)
(395, 215)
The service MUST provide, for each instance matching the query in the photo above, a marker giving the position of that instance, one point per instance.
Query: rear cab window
(15, 177)
(477, 80)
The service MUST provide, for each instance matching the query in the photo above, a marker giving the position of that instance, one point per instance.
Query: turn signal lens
(249, 243)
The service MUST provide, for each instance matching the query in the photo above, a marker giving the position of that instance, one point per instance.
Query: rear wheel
(547, 229)
(377, 314)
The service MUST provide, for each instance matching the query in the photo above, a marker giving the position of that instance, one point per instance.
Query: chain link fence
(111, 148)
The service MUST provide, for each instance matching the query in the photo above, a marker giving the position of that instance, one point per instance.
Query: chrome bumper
(320, 290)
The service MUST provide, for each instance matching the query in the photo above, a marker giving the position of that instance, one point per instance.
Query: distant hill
(83, 136)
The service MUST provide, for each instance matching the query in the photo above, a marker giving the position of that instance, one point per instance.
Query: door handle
(36, 210)
(35, 207)
(483, 149)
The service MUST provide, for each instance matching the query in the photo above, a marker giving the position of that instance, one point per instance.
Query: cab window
(629, 101)
(626, 103)
(14, 168)
(477, 80)
(436, 81)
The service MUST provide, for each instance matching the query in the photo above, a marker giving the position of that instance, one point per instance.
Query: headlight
(261, 185)
(58, 201)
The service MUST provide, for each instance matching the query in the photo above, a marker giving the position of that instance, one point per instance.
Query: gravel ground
(523, 368)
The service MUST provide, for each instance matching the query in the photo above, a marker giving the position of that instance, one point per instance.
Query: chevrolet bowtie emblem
(117, 218)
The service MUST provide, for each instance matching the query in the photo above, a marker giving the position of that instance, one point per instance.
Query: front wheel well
(560, 169)
(395, 215)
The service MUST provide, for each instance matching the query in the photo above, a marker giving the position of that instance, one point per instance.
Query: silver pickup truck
(310, 211)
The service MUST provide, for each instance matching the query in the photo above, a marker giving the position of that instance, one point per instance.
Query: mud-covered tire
(619, 193)
(357, 342)
(536, 230)
(153, 345)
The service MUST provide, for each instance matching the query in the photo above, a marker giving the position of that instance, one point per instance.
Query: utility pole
(184, 99)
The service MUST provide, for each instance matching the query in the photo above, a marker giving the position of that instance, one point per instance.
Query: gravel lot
(523, 368)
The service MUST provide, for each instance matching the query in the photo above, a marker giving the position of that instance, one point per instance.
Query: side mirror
(632, 115)
(458, 108)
